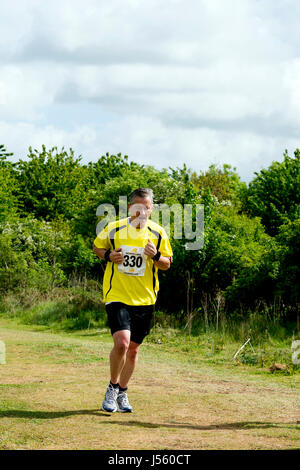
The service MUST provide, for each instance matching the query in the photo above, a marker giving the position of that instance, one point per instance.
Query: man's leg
(125, 375)
(118, 354)
(130, 363)
(117, 360)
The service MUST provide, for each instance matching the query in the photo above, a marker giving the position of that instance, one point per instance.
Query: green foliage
(3, 155)
(8, 193)
(223, 183)
(166, 190)
(239, 257)
(274, 195)
(78, 258)
(289, 257)
(78, 309)
(108, 167)
(13, 265)
(52, 183)
(180, 283)
(238, 260)
(48, 222)
(30, 252)
(9, 189)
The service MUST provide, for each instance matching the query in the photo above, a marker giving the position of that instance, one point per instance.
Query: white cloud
(23, 94)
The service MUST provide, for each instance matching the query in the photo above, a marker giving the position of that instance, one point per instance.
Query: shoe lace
(111, 393)
(123, 398)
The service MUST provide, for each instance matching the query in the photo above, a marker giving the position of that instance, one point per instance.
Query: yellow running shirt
(135, 282)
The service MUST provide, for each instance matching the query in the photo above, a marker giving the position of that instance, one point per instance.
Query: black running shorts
(136, 319)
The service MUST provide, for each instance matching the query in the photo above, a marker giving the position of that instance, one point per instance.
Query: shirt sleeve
(102, 239)
(165, 246)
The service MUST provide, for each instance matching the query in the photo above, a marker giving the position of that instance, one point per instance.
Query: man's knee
(132, 352)
(121, 343)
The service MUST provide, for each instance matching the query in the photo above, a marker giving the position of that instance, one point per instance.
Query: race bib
(134, 261)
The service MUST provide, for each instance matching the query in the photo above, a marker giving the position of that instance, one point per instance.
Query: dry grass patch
(53, 384)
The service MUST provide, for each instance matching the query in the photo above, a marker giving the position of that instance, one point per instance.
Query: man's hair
(141, 192)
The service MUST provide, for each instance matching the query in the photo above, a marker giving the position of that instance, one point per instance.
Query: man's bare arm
(163, 263)
(100, 252)
(115, 256)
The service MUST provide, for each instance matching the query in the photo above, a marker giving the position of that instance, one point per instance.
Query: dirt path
(52, 386)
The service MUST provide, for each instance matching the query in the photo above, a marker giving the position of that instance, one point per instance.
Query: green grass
(61, 309)
(220, 347)
(81, 312)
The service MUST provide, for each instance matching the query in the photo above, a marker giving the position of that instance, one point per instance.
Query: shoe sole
(109, 411)
(124, 411)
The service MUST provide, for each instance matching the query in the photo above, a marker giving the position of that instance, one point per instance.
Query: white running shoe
(123, 403)
(110, 399)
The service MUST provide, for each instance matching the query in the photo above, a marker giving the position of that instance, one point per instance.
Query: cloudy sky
(165, 82)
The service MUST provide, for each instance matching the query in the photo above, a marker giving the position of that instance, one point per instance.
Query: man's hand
(150, 249)
(116, 256)
(163, 263)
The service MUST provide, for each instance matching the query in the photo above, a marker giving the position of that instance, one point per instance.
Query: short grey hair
(141, 192)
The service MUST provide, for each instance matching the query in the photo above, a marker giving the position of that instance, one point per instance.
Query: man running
(134, 248)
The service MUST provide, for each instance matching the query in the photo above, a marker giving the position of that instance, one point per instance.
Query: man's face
(140, 211)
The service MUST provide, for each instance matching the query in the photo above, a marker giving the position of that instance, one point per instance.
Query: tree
(52, 183)
(274, 195)
(129, 177)
(224, 183)
(238, 259)
(31, 253)
(9, 188)
(288, 284)
(108, 167)
(3, 155)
